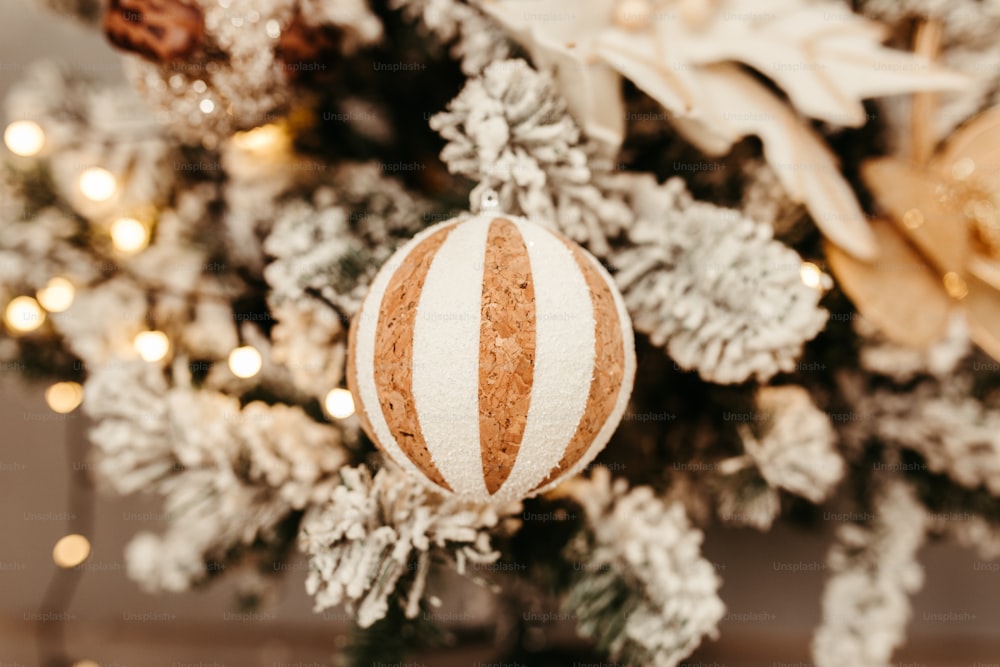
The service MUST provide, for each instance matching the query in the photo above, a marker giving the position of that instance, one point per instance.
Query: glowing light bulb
(71, 550)
(263, 139)
(24, 314)
(129, 235)
(245, 362)
(152, 345)
(57, 295)
(97, 184)
(24, 137)
(811, 275)
(913, 218)
(206, 106)
(955, 285)
(340, 403)
(64, 397)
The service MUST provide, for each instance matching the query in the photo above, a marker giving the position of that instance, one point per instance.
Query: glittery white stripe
(446, 356)
(624, 393)
(564, 358)
(365, 352)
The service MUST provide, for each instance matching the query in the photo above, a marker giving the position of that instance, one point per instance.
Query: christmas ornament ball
(492, 357)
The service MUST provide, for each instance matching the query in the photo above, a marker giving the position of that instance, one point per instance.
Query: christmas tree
(250, 270)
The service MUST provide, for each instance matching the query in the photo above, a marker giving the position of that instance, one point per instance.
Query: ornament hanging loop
(488, 201)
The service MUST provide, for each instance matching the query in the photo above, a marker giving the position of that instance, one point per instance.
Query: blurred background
(772, 581)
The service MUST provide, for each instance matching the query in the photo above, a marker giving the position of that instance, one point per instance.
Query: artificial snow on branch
(131, 426)
(644, 593)
(796, 449)
(977, 533)
(956, 434)
(90, 338)
(36, 243)
(372, 535)
(310, 341)
(746, 499)
(866, 602)
(790, 445)
(314, 254)
(329, 248)
(383, 211)
(901, 363)
(713, 287)
(229, 476)
(475, 40)
(354, 18)
(263, 172)
(509, 131)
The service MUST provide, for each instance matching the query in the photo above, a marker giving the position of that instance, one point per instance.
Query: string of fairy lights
(26, 314)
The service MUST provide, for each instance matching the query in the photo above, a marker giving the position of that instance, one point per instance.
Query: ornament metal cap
(489, 202)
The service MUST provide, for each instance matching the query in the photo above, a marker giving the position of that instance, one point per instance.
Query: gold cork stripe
(609, 366)
(506, 350)
(394, 353)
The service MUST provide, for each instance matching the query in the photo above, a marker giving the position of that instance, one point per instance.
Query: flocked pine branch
(93, 125)
(509, 131)
(795, 447)
(229, 475)
(714, 288)
(874, 571)
(644, 593)
(321, 257)
(329, 248)
(956, 435)
(373, 541)
(882, 357)
(790, 446)
(475, 40)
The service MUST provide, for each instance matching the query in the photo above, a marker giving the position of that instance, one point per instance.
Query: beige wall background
(39, 451)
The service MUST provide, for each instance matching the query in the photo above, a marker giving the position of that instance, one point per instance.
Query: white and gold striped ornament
(492, 357)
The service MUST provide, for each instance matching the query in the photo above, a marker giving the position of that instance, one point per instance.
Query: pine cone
(158, 30)
(306, 50)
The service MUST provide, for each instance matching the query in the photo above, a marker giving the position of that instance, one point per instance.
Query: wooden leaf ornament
(158, 30)
(973, 151)
(970, 160)
(917, 201)
(703, 61)
(985, 269)
(982, 308)
(899, 292)
(941, 251)
(491, 357)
